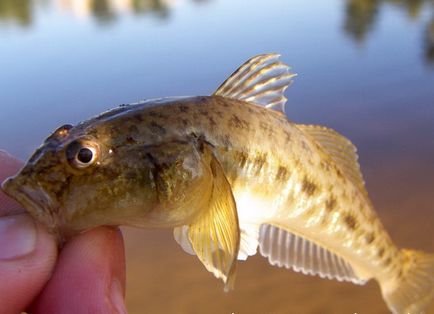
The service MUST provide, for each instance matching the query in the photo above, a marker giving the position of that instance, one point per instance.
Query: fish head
(76, 180)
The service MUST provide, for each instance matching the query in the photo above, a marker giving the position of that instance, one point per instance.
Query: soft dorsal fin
(285, 249)
(261, 80)
(341, 150)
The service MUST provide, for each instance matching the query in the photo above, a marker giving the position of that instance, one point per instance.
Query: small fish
(231, 176)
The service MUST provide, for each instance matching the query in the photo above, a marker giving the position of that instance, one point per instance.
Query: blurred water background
(366, 69)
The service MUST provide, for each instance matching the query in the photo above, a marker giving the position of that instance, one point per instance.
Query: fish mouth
(34, 199)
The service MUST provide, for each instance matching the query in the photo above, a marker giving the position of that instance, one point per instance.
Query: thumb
(27, 251)
(27, 257)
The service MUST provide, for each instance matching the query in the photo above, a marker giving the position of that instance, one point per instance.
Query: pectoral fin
(214, 235)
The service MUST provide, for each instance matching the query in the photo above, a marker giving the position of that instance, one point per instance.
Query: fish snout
(9, 186)
(34, 199)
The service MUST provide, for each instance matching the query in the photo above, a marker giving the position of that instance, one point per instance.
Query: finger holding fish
(36, 279)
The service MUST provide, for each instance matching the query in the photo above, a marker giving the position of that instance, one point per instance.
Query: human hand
(87, 276)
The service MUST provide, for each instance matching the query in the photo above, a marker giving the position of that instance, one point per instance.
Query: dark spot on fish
(138, 117)
(238, 123)
(339, 173)
(400, 273)
(308, 187)
(282, 174)
(263, 126)
(108, 173)
(325, 166)
(130, 140)
(130, 175)
(330, 204)
(380, 252)
(242, 158)
(92, 132)
(183, 108)
(212, 121)
(369, 238)
(350, 221)
(287, 136)
(152, 113)
(250, 110)
(156, 114)
(260, 161)
(225, 104)
(157, 128)
(133, 129)
(204, 112)
(266, 128)
(387, 261)
(219, 113)
(184, 122)
(114, 131)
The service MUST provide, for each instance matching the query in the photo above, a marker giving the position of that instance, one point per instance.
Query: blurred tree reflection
(160, 8)
(361, 16)
(18, 11)
(104, 11)
(101, 10)
(429, 48)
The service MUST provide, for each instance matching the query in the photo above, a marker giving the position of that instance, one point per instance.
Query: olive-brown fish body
(231, 176)
(277, 173)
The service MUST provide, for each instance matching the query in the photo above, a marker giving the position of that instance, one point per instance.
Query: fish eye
(82, 154)
(85, 155)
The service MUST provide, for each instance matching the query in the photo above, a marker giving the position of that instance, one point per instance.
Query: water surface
(366, 68)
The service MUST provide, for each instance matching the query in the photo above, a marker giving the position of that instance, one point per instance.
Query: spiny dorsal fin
(214, 236)
(341, 150)
(285, 249)
(261, 80)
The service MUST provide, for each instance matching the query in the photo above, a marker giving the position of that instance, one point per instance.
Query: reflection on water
(105, 11)
(18, 11)
(429, 42)
(361, 18)
(360, 15)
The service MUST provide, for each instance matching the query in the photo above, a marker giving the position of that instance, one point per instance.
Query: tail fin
(412, 291)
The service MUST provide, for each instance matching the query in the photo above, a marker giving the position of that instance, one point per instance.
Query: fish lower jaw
(37, 203)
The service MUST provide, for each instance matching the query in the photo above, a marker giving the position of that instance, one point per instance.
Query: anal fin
(285, 249)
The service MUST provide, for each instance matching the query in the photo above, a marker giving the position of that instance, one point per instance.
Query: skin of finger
(9, 166)
(83, 278)
(22, 279)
